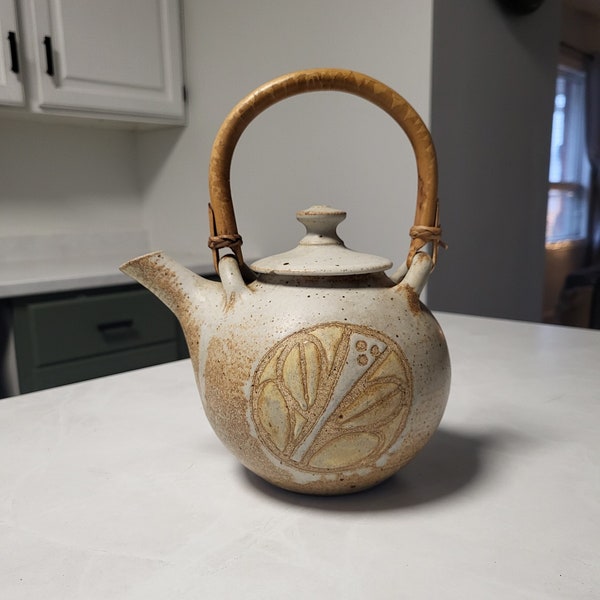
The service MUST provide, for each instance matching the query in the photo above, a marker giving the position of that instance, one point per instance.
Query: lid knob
(321, 223)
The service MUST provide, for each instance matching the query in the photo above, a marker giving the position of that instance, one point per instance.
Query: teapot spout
(188, 295)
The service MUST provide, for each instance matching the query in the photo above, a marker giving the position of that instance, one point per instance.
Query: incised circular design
(332, 397)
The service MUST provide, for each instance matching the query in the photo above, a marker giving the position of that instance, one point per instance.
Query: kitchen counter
(24, 278)
(117, 488)
(60, 263)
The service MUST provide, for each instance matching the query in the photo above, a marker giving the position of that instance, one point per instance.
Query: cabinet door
(68, 337)
(108, 56)
(11, 88)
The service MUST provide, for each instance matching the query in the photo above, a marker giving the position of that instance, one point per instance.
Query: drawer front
(41, 378)
(84, 326)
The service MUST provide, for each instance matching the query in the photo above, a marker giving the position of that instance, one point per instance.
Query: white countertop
(40, 264)
(28, 277)
(117, 488)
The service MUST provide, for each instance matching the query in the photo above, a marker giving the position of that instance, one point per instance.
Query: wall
(581, 29)
(318, 148)
(321, 148)
(490, 90)
(64, 179)
(492, 95)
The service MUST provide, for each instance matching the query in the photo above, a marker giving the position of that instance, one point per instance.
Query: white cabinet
(11, 87)
(108, 59)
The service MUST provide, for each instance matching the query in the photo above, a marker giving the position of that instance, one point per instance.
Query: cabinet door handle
(116, 329)
(14, 53)
(49, 55)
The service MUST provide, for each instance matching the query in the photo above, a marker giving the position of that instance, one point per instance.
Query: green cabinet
(69, 337)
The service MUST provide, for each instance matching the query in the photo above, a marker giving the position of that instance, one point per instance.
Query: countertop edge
(44, 281)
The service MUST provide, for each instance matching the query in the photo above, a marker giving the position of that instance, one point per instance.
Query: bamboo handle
(224, 231)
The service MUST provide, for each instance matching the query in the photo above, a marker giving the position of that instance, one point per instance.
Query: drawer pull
(49, 55)
(114, 329)
(14, 54)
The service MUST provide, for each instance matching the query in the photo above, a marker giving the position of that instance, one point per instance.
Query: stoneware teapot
(319, 371)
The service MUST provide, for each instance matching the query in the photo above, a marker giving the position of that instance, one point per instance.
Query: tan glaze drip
(412, 299)
(226, 372)
(180, 289)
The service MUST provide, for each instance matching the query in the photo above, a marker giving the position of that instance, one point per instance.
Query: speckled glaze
(321, 373)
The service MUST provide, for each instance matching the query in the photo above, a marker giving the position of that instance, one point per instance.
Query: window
(568, 197)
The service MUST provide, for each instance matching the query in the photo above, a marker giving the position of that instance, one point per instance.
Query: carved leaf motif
(379, 401)
(313, 371)
(301, 371)
(274, 415)
(292, 376)
(345, 450)
(299, 422)
(315, 409)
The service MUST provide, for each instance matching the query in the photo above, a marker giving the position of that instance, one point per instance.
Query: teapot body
(324, 385)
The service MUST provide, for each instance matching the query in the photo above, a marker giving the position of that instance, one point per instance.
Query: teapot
(321, 373)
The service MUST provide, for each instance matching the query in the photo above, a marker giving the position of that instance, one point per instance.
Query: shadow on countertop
(449, 463)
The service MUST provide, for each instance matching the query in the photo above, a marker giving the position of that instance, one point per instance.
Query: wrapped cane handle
(224, 231)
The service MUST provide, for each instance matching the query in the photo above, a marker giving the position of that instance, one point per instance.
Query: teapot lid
(321, 251)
